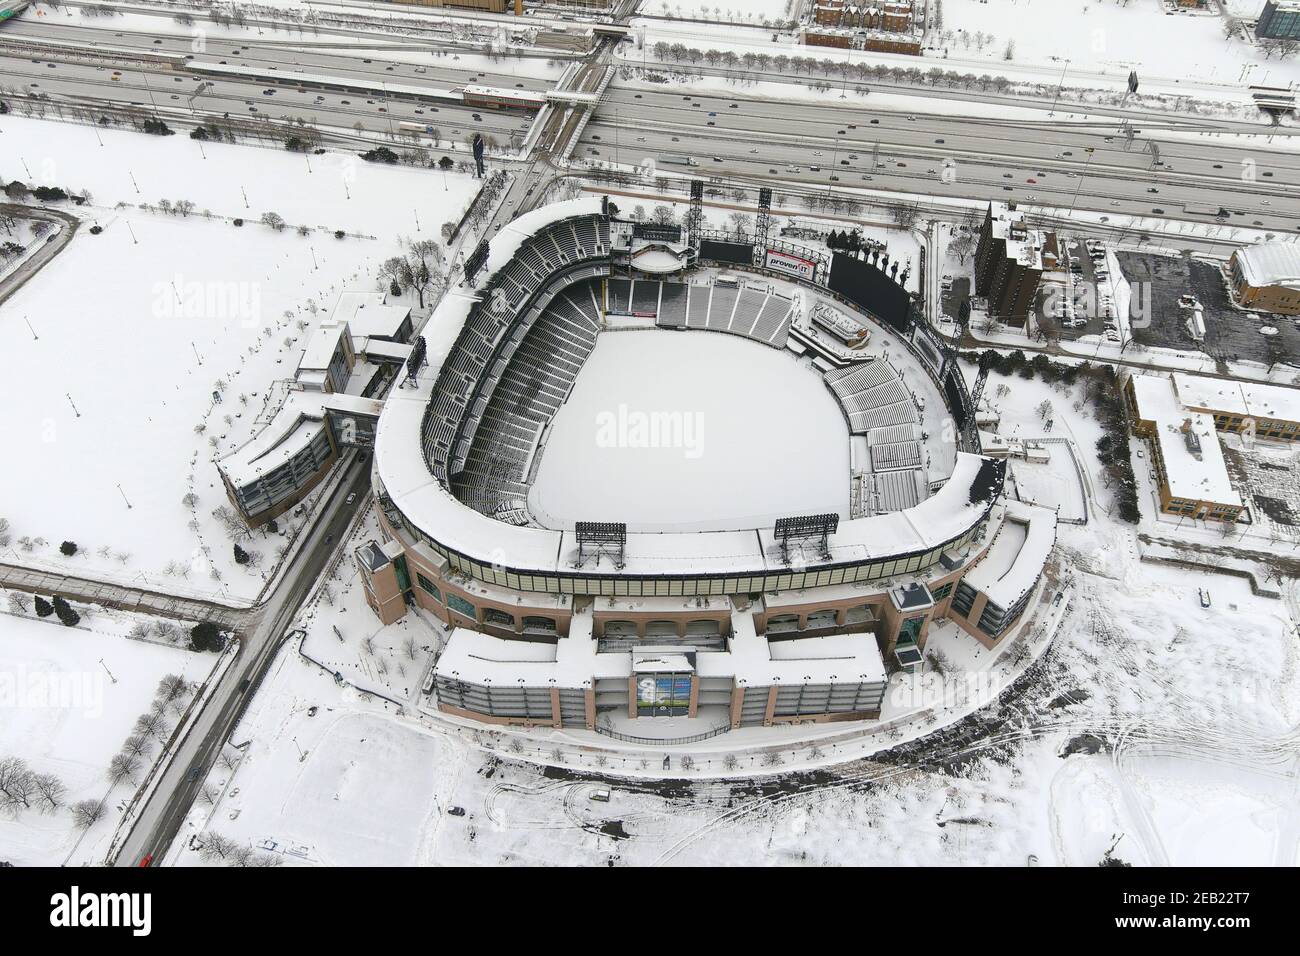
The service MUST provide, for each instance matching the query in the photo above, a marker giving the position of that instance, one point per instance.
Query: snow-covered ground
(133, 330)
(1107, 36)
(69, 698)
(1142, 666)
(735, 11)
(700, 413)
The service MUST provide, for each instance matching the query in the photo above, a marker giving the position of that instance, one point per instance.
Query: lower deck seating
(528, 395)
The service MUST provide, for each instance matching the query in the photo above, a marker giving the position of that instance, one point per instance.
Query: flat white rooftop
(1187, 439)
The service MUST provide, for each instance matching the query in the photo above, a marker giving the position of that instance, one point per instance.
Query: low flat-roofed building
(1191, 474)
(1267, 277)
(370, 315)
(1267, 411)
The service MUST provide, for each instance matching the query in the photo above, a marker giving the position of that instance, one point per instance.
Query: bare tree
(17, 784)
(50, 790)
(216, 847)
(123, 766)
(86, 814)
(137, 745)
(171, 687)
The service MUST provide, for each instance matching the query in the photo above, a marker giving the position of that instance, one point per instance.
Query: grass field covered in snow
(116, 348)
(69, 698)
(700, 413)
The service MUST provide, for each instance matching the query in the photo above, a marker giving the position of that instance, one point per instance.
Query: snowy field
(1106, 36)
(69, 697)
(692, 431)
(146, 320)
(732, 11)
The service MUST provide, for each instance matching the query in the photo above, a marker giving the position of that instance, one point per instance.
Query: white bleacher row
(895, 490)
(879, 405)
(535, 383)
(490, 335)
(753, 313)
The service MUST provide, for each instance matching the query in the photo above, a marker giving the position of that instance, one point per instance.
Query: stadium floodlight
(601, 537)
(477, 259)
(816, 529)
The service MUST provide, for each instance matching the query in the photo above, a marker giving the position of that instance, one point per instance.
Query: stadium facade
(588, 626)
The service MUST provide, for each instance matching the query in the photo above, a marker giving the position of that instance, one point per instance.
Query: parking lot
(1230, 334)
(1086, 291)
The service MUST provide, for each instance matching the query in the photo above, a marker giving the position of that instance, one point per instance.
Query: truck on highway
(679, 160)
(10, 10)
(1197, 209)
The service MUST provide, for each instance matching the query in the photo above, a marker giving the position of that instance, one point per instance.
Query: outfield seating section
(750, 312)
(879, 406)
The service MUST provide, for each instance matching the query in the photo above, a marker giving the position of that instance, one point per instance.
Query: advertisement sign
(665, 696)
(790, 265)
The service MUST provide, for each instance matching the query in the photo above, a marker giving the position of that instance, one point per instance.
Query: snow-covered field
(668, 430)
(69, 697)
(730, 11)
(1106, 36)
(135, 328)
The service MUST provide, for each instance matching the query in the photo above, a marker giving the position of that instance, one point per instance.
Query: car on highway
(875, 122)
(1158, 212)
(1152, 189)
(733, 106)
(351, 498)
(1032, 181)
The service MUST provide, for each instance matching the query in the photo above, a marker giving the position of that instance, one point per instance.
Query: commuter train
(10, 10)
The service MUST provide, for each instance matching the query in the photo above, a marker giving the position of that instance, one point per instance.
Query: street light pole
(1059, 85)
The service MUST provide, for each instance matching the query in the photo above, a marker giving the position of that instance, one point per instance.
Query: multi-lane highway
(1038, 162)
(1179, 167)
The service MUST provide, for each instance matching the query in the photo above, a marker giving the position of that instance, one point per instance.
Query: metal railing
(663, 741)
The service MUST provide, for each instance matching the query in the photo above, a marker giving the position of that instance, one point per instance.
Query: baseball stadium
(642, 471)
